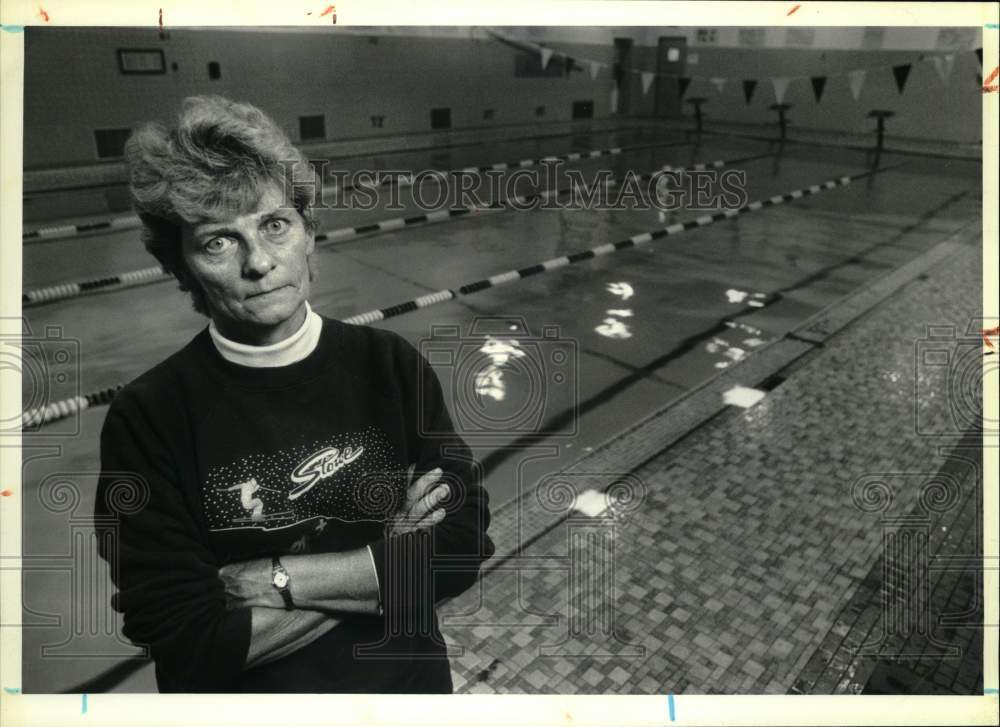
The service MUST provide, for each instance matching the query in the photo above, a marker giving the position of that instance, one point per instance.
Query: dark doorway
(583, 109)
(441, 118)
(623, 76)
(671, 59)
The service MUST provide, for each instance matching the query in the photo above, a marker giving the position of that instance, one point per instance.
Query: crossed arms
(321, 583)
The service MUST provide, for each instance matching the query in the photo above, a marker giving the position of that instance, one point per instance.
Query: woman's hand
(248, 583)
(420, 509)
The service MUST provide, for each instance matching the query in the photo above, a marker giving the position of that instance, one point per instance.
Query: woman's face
(253, 270)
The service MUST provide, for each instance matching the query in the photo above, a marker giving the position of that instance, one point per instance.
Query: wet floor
(543, 369)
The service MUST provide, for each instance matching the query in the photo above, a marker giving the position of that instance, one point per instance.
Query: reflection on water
(738, 296)
(755, 333)
(742, 396)
(612, 326)
(489, 380)
(623, 290)
(731, 353)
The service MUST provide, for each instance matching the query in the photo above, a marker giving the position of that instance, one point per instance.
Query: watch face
(281, 579)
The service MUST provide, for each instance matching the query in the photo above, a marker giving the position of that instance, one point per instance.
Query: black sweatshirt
(205, 462)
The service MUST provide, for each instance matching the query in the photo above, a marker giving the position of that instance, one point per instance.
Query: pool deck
(752, 554)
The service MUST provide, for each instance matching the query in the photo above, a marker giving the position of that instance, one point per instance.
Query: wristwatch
(281, 580)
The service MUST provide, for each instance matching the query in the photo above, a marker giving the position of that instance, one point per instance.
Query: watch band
(282, 581)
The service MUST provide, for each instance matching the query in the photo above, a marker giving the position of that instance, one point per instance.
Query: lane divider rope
(62, 291)
(38, 416)
(66, 407)
(132, 221)
(644, 238)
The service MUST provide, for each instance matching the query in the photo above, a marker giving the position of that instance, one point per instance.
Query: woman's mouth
(266, 292)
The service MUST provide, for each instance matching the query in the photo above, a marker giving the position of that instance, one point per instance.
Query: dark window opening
(488, 114)
(111, 142)
(214, 71)
(312, 127)
(441, 118)
(583, 109)
(539, 111)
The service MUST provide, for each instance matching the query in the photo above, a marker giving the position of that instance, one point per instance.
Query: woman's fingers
(406, 525)
(418, 490)
(423, 506)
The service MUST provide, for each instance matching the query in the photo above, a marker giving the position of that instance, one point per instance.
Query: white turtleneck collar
(294, 348)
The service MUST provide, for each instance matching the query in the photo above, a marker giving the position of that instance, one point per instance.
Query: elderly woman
(291, 524)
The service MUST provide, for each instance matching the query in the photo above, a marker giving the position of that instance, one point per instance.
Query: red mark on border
(43, 14)
(987, 332)
(7, 493)
(792, 10)
(993, 74)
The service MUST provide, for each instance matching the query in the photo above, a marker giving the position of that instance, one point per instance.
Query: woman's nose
(259, 260)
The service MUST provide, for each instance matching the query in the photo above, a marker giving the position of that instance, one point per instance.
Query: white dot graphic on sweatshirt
(332, 498)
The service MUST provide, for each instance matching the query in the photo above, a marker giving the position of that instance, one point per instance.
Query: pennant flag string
(857, 80)
(780, 86)
(647, 81)
(901, 73)
(818, 84)
(943, 64)
(546, 57)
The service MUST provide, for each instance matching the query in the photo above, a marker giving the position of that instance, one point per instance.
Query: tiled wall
(73, 84)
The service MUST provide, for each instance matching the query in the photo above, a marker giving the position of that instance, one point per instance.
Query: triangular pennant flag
(780, 86)
(594, 67)
(748, 87)
(546, 56)
(719, 83)
(647, 81)
(943, 66)
(857, 80)
(819, 83)
(682, 86)
(979, 55)
(901, 73)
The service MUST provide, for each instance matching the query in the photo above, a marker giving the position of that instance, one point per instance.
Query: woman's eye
(217, 245)
(276, 226)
